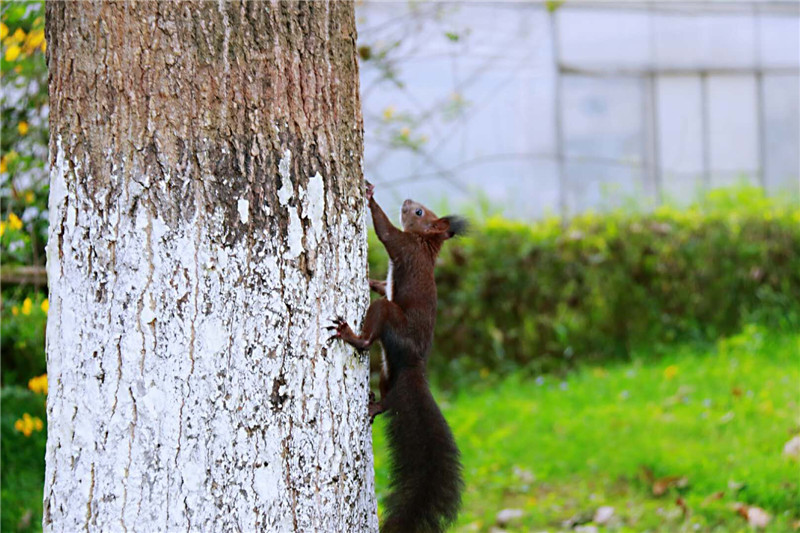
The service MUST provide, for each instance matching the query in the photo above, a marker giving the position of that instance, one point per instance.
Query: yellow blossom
(34, 40)
(38, 384)
(12, 52)
(405, 132)
(388, 113)
(27, 305)
(12, 155)
(22, 128)
(29, 197)
(3, 164)
(3, 31)
(28, 424)
(15, 310)
(2, 228)
(44, 46)
(670, 372)
(14, 222)
(45, 305)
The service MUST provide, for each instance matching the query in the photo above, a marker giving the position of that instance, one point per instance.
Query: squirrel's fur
(426, 481)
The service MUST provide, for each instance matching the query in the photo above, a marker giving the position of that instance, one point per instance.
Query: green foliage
(22, 333)
(543, 296)
(24, 107)
(22, 457)
(557, 448)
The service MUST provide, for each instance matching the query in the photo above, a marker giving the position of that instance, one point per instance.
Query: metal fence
(562, 107)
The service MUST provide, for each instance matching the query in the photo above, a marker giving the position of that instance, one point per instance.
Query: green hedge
(543, 295)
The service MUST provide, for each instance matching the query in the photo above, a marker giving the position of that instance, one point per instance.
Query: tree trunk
(207, 221)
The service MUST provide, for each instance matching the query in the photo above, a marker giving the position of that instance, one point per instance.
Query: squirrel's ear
(452, 226)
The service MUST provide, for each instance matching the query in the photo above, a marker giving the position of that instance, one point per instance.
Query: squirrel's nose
(407, 204)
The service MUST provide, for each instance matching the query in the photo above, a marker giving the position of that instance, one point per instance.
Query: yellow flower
(27, 424)
(12, 52)
(22, 128)
(19, 35)
(14, 222)
(29, 197)
(3, 31)
(44, 46)
(388, 113)
(15, 310)
(35, 39)
(405, 132)
(2, 228)
(27, 305)
(45, 305)
(38, 384)
(3, 164)
(670, 372)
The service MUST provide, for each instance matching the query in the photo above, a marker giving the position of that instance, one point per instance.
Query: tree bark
(207, 221)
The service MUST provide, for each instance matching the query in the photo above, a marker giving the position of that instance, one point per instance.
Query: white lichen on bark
(191, 385)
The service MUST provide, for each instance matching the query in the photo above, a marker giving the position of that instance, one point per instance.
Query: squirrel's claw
(339, 323)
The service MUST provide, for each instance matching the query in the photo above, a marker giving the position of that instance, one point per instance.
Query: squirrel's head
(417, 218)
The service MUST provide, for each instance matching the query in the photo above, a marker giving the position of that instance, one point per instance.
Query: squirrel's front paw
(339, 326)
(370, 190)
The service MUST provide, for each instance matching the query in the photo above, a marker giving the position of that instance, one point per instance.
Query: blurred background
(564, 106)
(618, 339)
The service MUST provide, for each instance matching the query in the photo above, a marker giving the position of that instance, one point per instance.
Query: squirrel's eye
(418, 212)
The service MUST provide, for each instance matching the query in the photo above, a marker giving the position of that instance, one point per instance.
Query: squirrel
(426, 481)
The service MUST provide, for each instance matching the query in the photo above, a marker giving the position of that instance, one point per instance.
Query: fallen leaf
(736, 486)
(506, 516)
(577, 520)
(755, 516)
(684, 508)
(713, 497)
(646, 474)
(603, 515)
(661, 486)
(792, 448)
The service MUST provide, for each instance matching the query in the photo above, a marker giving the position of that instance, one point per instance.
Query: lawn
(704, 428)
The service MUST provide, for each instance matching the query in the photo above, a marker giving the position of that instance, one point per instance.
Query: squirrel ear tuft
(456, 226)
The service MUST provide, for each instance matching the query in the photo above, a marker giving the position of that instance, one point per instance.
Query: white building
(563, 106)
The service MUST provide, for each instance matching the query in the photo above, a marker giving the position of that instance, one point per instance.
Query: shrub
(544, 295)
(23, 448)
(22, 335)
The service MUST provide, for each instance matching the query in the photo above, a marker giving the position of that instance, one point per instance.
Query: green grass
(557, 448)
(22, 464)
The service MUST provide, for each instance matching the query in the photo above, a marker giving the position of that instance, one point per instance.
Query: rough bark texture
(206, 223)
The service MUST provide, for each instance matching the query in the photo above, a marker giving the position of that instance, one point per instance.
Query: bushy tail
(426, 482)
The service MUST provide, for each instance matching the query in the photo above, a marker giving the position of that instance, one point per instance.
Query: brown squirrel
(426, 480)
